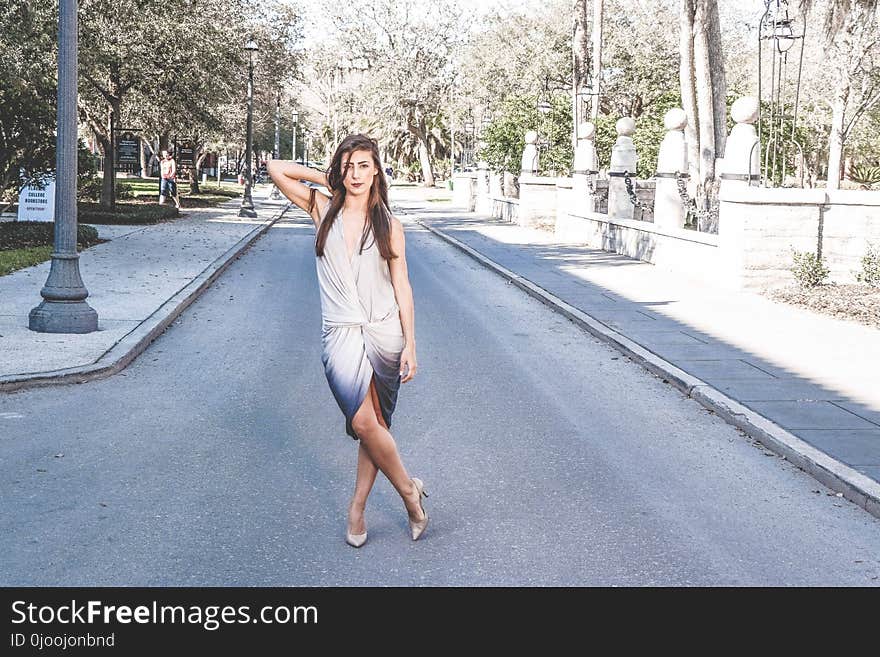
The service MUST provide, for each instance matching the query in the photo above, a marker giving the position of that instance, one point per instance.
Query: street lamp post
(276, 152)
(468, 154)
(247, 201)
(64, 309)
(295, 126)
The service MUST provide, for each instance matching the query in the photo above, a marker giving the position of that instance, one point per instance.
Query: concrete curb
(139, 338)
(839, 477)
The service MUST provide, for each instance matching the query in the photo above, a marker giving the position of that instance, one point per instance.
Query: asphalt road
(219, 457)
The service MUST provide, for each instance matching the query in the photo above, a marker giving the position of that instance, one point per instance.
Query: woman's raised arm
(287, 174)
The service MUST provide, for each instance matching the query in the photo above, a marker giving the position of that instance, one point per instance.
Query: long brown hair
(379, 224)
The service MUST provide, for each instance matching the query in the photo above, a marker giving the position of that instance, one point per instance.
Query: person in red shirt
(168, 183)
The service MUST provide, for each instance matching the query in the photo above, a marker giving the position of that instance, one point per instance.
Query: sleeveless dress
(361, 333)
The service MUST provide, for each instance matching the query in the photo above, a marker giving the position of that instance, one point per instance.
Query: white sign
(37, 204)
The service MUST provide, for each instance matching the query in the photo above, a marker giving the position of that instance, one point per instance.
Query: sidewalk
(805, 385)
(138, 283)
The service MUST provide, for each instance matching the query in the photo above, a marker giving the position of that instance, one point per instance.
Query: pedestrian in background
(168, 180)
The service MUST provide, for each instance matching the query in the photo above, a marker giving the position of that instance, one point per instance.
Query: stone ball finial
(587, 130)
(675, 119)
(625, 127)
(531, 137)
(745, 110)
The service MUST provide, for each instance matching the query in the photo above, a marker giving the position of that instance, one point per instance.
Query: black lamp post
(64, 309)
(295, 127)
(467, 157)
(247, 201)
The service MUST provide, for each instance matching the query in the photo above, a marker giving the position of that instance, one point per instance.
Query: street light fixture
(783, 35)
(64, 309)
(247, 201)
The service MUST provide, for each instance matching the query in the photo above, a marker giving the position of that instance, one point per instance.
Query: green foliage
(504, 137)
(870, 274)
(647, 138)
(809, 269)
(865, 175)
(27, 91)
(27, 234)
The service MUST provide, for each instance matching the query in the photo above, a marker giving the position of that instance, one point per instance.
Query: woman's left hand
(408, 365)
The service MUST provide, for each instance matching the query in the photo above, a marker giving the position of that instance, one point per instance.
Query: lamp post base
(63, 317)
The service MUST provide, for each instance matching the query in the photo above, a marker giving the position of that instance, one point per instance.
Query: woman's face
(358, 171)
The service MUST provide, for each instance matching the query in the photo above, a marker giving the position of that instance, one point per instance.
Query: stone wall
(760, 227)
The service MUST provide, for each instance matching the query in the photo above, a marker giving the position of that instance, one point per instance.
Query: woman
(368, 332)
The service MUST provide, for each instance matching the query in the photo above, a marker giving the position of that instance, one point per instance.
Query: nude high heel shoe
(355, 540)
(418, 528)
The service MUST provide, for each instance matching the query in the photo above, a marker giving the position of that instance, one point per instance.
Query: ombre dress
(361, 331)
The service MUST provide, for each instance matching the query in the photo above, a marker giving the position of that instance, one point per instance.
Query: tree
(407, 46)
(504, 137)
(27, 92)
(580, 62)
(856, 61)
(112, 65)
(703, 87)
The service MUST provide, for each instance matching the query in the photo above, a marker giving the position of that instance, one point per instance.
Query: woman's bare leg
(382, 450)
(366, 476)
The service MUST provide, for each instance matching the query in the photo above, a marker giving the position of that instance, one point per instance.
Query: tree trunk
(705, 92)
(838, 136)
(145, 158)
(198, 161)
(425, 161)
(108, 185)
(717, 77)
(703, 87)
(580, 64)
(688, 92)
(596, 37)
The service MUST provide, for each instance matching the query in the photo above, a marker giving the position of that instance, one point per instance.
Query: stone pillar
(623, 158)
(740, 168)
(530, 154)
(669, 210)
(464, 190)
(495, 189)
(586, 170)
(741, 164)
(537, 200)
(482, 200)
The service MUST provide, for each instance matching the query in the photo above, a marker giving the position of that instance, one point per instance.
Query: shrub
(124, 190)
(126, 213)
(28, 234)
(865, 175)
(870, 274)
(89, 188)
(809, 269)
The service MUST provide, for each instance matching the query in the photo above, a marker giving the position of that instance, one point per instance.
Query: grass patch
(14, 259)
(28, 243)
